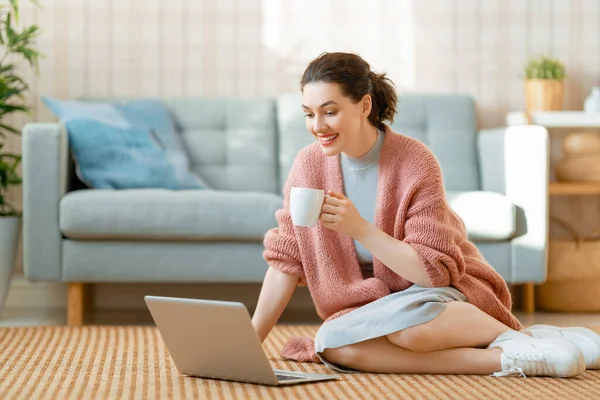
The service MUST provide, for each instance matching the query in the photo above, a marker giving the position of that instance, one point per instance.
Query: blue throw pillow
(67, 110)
(152, 114)
(124, 145)
(110, 157)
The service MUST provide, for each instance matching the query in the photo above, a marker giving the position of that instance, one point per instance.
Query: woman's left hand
(340, 214)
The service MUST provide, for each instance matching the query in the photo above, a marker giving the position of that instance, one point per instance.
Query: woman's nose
(319, 127)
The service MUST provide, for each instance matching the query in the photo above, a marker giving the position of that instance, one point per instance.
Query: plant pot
(9, 239)
(544, 95)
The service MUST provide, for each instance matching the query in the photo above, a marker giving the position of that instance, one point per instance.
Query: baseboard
(130, 296)
(39, 295)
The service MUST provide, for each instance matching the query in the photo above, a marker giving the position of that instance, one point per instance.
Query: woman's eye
(331, 113)
(308, 115)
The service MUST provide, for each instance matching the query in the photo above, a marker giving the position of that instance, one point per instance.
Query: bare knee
(417, 338)
(347, 356)
(425, 337)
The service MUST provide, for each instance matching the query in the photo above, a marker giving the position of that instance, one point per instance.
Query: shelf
(556, 119)
(574, 188)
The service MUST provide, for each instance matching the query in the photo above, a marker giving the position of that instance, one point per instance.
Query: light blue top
(360, 186)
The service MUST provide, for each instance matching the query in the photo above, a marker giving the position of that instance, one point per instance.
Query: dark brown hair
(356, 79)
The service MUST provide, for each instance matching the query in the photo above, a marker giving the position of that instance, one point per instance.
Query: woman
(400, 287)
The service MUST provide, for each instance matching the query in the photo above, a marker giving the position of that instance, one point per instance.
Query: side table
(557, 119)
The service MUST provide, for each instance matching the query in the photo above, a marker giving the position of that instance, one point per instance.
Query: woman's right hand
(275, 294)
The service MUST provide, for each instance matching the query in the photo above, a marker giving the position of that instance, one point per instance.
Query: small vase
(592, 102)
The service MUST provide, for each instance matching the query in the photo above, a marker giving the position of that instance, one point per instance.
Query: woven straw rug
(132, 363)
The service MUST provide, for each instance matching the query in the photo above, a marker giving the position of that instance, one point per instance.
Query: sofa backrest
(445, 123)
(249, 144)
(231, 142)
(292, 133)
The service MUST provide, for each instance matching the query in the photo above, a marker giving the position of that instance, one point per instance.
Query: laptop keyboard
(281, 377)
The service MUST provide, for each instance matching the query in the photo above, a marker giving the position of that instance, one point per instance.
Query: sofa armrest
(515, 161)
(44, 166)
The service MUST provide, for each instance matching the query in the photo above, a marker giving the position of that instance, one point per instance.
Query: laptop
(216, 339)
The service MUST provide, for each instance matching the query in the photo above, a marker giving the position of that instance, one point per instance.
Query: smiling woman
(345, 102)
(390, 268)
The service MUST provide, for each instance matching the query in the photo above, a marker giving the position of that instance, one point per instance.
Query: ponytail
(384, 99)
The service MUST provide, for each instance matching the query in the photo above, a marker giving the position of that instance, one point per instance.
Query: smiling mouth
(327, 140)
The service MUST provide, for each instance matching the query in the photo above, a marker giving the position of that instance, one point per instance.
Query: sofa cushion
(488, 216)
(227, 215)
(158, 214)
(231, 142)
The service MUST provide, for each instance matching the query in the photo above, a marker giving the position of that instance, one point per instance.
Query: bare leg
(381, 356)
(460, 325)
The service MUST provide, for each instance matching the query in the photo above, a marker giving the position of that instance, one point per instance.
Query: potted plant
(544, 84)
(16, 44)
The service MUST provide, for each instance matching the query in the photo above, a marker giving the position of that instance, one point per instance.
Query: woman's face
(332, 118)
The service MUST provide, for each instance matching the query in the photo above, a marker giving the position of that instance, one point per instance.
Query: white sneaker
(587, 340)
(523, 355)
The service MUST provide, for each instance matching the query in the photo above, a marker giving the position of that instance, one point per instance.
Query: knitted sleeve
(432, 228)
(436, 233)
(281, 248)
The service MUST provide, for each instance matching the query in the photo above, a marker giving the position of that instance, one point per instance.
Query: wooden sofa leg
(75, 304)
(529, 297)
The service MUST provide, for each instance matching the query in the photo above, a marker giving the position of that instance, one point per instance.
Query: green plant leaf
(30, 55)
(4, 169)
(31, 31)
(20, 42)
(12, 156)
(7, 209)
(544, 67)
(12, 79)
(8, 128)
(6, 67)
(10, 33)
(7, 108)
(9, 93)
(15, 7)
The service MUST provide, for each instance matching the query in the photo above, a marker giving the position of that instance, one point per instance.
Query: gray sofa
(496, 181)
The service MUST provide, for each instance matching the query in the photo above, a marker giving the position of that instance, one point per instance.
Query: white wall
(256, 47)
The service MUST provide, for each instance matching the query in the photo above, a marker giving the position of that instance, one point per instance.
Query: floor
(33, 317)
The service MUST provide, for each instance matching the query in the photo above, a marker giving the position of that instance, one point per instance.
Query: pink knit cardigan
(411, 206)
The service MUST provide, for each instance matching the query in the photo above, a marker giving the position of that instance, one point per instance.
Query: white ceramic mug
(305, 205)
